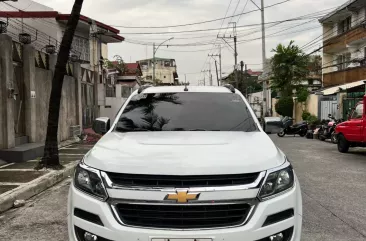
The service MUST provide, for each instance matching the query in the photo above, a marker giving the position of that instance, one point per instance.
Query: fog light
(276, 237)
(90, 237)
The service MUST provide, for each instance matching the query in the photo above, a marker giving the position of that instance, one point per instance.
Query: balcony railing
(344, 76)
(341, 41)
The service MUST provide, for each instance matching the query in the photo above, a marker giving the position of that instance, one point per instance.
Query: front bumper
(251, 231)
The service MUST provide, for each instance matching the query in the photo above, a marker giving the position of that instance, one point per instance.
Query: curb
(35, 187)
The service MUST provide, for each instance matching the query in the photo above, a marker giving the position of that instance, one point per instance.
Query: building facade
(118, 92)
(27, 68)
(165, 71)
(344, 44)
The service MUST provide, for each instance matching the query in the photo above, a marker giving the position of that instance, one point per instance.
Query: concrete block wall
(68, 116)
(7, 132)
(38, 81)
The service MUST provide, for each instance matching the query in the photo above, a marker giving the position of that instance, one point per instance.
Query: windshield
(186, 112)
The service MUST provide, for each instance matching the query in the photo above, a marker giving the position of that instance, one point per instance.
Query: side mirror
(273, 125)
(101, 125)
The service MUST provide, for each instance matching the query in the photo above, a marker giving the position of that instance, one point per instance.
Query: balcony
(353, 36)
(344, 76)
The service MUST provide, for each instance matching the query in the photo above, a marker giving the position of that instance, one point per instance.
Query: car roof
(180, 88)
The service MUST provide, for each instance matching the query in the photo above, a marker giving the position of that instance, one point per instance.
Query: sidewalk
(19, 181)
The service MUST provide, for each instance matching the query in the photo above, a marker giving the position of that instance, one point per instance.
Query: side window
(357, 114)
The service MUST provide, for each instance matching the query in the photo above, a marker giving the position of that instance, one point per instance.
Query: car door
(355, 125)
(364, 119)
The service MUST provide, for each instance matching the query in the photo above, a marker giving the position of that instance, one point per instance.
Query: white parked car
(184, 163)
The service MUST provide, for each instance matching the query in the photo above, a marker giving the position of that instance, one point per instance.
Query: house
(120, 86)
(344, 58)
(344, 44)
(29, 41)
(165, 71)
(45, 29)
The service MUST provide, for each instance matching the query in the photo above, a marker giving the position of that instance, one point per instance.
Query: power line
(212, 29)
(197, 23)
(213, 46)
(242, 11)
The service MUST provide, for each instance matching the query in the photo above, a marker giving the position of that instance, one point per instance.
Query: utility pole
(263, 55)
(264, 59)
(220, 65)
(204, 76)
(219, 55)
(217, 74)
(210, 75)
(153, 78)
(235, 51)
(241, 70)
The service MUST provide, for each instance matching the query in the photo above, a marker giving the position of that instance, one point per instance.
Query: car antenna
(185, 83)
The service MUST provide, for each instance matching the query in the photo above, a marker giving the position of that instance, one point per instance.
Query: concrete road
(333, 185)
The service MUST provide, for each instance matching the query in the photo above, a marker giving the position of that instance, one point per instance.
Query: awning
(339, 88)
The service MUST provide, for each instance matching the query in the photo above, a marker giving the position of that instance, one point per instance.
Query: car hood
(184, 153)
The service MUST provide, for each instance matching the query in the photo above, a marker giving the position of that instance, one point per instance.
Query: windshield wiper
(121, 129)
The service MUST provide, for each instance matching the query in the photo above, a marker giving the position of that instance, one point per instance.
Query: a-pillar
(78, 77)
(30, 95)
(7, 87)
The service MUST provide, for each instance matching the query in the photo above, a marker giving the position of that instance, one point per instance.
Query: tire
(281, 134)
(321, 138)
(343, 144)
(303, 133)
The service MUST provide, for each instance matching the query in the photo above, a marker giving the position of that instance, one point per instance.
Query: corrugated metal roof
(339, 88)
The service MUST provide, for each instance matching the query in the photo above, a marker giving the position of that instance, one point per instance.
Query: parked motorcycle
(300, 128)
(327, 129)
(333, 136)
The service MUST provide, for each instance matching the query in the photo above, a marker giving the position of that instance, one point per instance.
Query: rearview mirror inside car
(101, 125)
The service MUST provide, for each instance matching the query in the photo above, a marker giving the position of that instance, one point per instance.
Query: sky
(192, 60)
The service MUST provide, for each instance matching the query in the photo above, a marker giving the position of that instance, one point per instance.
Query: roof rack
(143, 87)
(230, 87)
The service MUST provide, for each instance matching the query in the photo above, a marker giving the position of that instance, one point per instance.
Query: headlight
(277, 181)
(88, 180)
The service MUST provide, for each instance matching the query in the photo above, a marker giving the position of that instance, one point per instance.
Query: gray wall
(68, 116)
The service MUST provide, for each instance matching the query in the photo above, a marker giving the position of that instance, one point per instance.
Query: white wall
(113, 103)
(255, 101)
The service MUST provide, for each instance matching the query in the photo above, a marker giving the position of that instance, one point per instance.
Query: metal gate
(348, 104)
(328, 107)
(87, 97)
(19, 110)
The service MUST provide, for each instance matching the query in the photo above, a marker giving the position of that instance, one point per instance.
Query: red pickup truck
(352, 133)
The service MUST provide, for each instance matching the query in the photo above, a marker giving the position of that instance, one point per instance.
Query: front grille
(181, 181)
(183, 216)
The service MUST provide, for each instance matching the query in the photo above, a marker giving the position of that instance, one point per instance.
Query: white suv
(184, 163)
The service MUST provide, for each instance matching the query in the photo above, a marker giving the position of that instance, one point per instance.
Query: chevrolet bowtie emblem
(182, 196)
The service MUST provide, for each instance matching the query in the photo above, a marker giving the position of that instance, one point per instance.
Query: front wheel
(281, 134)
(343, 144)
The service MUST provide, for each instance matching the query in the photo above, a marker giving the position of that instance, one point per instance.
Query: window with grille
(343, 61)
(345, 25)
(110, 91)
(125, 91)
(81, 46)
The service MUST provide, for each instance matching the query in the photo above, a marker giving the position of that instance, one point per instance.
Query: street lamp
(154, 52)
